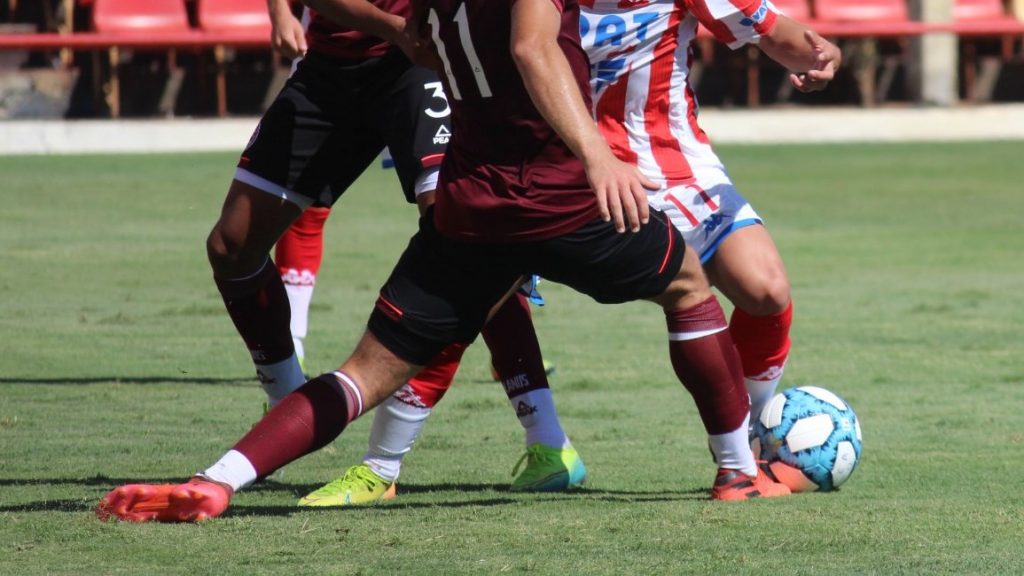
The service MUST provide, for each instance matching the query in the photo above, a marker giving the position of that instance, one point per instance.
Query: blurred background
(89, 59)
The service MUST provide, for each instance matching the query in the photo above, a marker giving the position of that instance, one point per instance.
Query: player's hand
(288, 37)
(417, 45)
(621, 192)
(827, 60)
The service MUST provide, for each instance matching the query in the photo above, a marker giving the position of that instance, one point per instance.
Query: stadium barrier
(238, 27)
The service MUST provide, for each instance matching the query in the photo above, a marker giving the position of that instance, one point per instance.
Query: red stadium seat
(795, 9)
(247, 17)
(979, 10)
(861, 10)
(979, 19)
(138, 18)
(242, 16)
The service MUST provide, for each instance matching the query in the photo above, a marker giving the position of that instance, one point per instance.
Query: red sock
(427, 388)
(515, 351)
(762, 341)
(300, 249)
(708, 366)
(258, 306)
(305, 421)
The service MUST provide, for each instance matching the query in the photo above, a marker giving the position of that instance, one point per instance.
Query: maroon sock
(258, 305)
(708, 365)
(515, 351)
(305, 421)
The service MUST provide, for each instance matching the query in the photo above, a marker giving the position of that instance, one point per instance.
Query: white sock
(233, 469)
(280, 379)
(761, 390)
(536, 412)
(299, 297)
(732, 449)
(396, 426)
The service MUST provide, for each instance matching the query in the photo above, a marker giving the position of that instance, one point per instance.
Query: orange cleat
(193, 501)
(735, 485)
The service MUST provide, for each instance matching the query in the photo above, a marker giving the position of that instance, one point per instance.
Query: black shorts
(333, 118)
(441, 289)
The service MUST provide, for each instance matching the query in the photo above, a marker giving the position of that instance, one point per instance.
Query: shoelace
(352, 476)
(533, 453)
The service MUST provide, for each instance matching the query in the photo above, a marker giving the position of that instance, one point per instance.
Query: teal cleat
(549, 470)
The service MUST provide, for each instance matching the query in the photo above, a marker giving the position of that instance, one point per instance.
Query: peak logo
(524, 409)
(758, 16)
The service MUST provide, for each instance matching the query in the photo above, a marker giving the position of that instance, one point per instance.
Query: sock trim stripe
(347, 380)
(685, 336)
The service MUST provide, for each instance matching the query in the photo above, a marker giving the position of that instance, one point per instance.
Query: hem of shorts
(737, 225)
(262, 184)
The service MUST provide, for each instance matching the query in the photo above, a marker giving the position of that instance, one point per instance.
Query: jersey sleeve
(736, 22)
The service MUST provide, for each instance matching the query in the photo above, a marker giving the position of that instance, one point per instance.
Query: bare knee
(229, 257)
(768, 294)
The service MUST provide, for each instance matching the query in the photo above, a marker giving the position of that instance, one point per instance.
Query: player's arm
(619, 187)
(363, 16)
(287, 35)
(813, 59)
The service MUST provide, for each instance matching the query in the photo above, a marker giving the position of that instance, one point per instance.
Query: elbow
(526, 54)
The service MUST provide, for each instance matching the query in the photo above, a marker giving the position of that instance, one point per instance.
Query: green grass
(118, 364)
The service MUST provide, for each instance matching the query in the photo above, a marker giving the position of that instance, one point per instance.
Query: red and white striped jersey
(640, 55)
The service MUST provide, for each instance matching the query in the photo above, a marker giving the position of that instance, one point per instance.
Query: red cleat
(735, 485)
(193, 501)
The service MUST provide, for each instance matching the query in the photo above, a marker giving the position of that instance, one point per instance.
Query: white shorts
(705, 217)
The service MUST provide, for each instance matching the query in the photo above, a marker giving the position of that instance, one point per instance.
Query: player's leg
(418, 314)
(299, 155)
(656, 264)
(238, 247)
(298, 254)
(748, 270)
(397, 424)
(707, 364)
(410, 113)
(304, 421)
(551, 462)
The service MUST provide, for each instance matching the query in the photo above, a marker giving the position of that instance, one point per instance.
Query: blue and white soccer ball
(810, 438)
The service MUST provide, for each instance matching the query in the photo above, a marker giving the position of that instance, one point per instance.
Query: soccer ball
(810, 438)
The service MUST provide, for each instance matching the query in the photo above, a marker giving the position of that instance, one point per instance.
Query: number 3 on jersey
(467, 47)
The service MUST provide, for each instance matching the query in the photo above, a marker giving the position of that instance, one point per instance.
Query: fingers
(615, 208)
(602, 205)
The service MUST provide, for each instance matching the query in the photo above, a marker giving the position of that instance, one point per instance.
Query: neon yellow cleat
(549, 470)
(360, 486)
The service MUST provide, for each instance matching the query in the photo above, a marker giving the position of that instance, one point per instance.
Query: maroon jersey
(326, 37)
(506, 176)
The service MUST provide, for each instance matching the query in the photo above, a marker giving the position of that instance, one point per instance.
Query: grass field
(119, 364)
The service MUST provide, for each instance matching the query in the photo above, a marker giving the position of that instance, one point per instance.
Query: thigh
(749, 271)
(611, 267)
(440, 292)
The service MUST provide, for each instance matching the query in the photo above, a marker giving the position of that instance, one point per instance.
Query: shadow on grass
(298, 490)
(179, 379)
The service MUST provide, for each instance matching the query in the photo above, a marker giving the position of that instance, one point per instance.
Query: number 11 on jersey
(467, 47)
